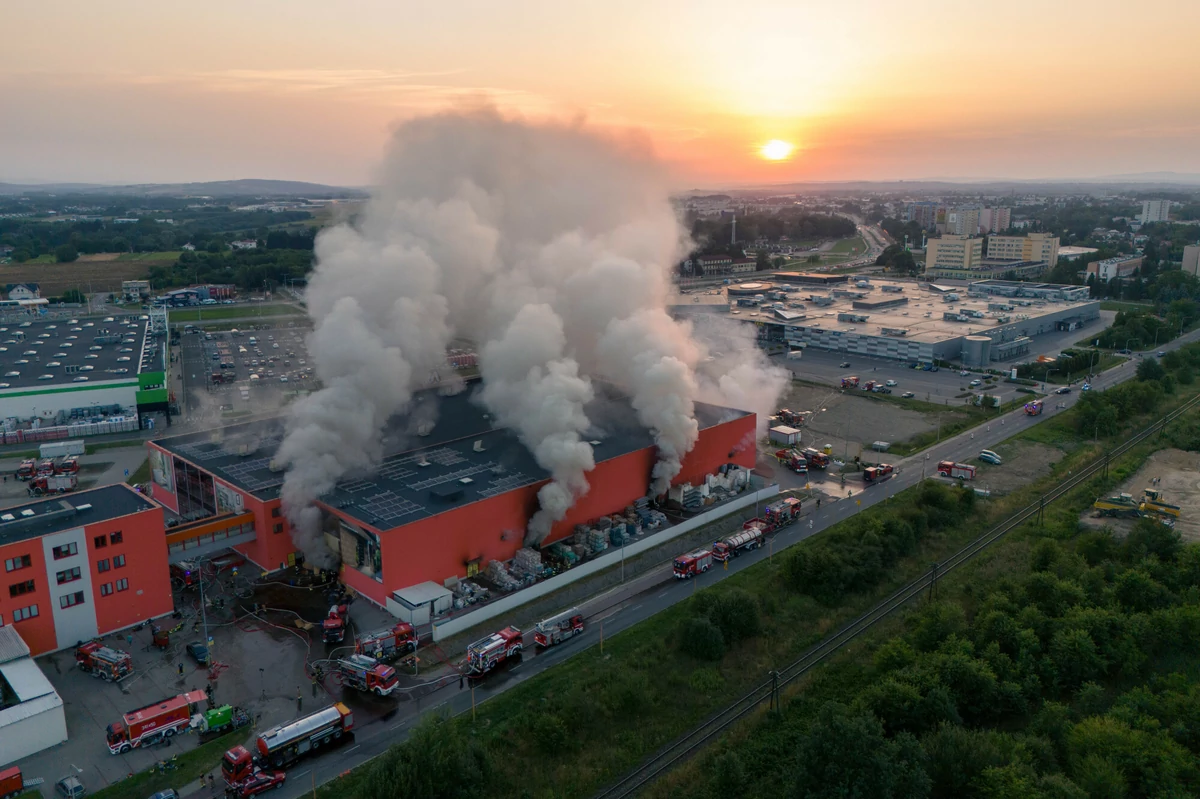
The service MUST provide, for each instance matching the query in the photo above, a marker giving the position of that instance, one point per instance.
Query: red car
(259, 783)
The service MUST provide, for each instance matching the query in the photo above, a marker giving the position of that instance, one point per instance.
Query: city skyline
(128, 93)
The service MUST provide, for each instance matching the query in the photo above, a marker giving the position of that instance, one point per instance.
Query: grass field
(1117, 305)
(192, 765)
(85, 275)
(851, 246)
(234, 312)
(164, 256)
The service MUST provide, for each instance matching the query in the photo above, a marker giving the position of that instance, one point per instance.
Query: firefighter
(299, 700)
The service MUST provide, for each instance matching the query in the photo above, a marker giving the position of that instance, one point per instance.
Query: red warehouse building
(82, 565)
(454, 491)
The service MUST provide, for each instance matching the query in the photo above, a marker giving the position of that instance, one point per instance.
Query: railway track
(690, 743)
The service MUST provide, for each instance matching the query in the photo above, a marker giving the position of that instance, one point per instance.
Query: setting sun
(776, 150)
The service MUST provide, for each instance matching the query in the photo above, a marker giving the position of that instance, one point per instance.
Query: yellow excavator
(1152, 502)
(1121, 505)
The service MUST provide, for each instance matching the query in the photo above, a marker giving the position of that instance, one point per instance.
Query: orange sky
(298, 89)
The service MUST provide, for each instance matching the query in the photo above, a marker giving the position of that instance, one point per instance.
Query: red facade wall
(145, 549)
(269, 549)
(494, 529)
(38, 632)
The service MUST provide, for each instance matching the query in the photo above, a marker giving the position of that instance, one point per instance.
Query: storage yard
(1178, 479)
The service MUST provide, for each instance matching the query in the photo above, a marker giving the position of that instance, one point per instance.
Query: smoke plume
(548, 245)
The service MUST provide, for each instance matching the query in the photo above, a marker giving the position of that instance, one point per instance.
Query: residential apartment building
(710, 265)
(1191, 259)
(991, 219)
(962, 222)
(1155, 211)
(954, 253)
(83, 565)
(924, 214)
(740, 266)
(1121, 266)
(1031, 247)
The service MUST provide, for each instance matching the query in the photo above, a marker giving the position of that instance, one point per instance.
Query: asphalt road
(656, 591)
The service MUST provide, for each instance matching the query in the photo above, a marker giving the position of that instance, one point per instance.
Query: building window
(18, 589)
(21, 614)
(65, 551)
(100, 542)
(102, 565)
(123, 584)
(68, 576)
(275, 513)
(71, 600)
(118, 561)
(277, 528)
(105, 589)
(19, 562)
(116, 537)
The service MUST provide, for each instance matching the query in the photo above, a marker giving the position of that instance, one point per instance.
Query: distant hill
(1140, 181)
(249, 187)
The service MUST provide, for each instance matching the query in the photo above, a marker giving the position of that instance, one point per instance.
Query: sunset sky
(126, 91)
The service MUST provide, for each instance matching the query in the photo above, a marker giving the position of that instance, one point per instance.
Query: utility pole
(933, 578)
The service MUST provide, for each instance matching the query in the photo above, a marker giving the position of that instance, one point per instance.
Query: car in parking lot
(963, 373)
(198, 652)
(908, 395)
(975, 383)
(169, 793)
(1063, 390)
(987, 456)
(69, 788)
(844, 365)
(890, 383)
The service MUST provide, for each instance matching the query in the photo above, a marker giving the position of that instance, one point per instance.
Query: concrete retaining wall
(445, 629)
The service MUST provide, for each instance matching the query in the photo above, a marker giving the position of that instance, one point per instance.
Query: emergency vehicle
(285, 744)
(153, 724)
(964, 471)
(387, 645)
(488, 653)
(558, 628)
(110, 665)
(367, 674)
(688, 566)
(733, 545)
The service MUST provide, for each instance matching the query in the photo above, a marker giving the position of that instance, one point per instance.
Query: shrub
(701, 639)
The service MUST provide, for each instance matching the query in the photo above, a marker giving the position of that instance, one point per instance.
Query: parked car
(975, 383)
(198, 652)
(963, 373)
(890, 383)
(987, 456)
(169, 793)
(70, 788)
(844, 365)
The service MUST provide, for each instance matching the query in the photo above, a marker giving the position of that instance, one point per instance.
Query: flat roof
(66, 511)
(921, 315)
(462, 457)
(72, 343)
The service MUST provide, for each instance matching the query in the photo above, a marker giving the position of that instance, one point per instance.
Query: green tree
(1150, 369)
(65, 254)
(73, 295)
(701, 639)
(441, 759)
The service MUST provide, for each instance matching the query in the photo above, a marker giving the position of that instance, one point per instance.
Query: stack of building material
(498, 573)
(618, 535)
(602, 524)
(581, 534)
(598, 541)
(527, 562)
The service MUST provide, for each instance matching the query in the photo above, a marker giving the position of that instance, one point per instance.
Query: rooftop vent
(424, 461)
(478, 447)
(466, 481)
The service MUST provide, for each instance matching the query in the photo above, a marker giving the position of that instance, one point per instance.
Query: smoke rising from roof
(548, 245)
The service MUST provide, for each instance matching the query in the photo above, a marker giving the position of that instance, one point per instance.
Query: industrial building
(32, 716)
(57, 377)
(82, 565)
(977, 322)
(453, 492)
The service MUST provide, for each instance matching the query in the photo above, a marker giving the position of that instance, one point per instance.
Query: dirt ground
(1024, 462)
(850, 422)
(1179, 480)
(91, 275)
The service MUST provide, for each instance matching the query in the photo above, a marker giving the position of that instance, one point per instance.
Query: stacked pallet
(527, 562)
(498, 573)
(598, 540)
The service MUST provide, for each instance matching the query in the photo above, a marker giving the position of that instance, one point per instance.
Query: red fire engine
(816, 459)
(963, 471)
(388, 645)
(849, 382)
(877, 473)
(367, 674)
(488, 653)
(110, 665)
(67, 465)
(688, 566)
(283, 745)
(51, 484)
(733, 545)
(333, 628)
(781, 513)
(154, 723)
(558, 628)
(45, 467)
(27, 469)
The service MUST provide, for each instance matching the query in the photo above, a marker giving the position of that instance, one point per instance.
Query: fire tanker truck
(153, 724)
(110, 665)
(388, 645)
(488, 653)
(557, 629)
(367, 674)
(688, 566)
(731, 546)
(283, 745)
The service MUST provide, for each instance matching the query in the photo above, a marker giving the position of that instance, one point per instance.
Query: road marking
(301, 774)
(635, 607)
(664, 593)
(351, 749)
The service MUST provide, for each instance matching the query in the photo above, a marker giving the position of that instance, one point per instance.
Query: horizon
(856, 93)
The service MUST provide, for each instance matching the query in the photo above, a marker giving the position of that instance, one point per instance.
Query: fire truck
(733, 545)
(557, 629)
(963, 471)
(488, 653)
(816, 459)
(1033, 408)
(878, 473)
(333, 628)
(285, 744)
(688, 566)
(52, 484)
(258, 782)
(110, 665)
(153, 723)
(849, 382)
(67, 465)
(779, 514)
(789, 417)
(388, 645)
(367, 674)
(793, 459)
(45, 467)
(27, 469)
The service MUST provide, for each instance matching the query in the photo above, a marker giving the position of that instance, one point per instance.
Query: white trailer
(54, 449)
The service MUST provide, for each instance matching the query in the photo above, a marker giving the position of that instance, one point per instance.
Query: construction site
(1166, 488)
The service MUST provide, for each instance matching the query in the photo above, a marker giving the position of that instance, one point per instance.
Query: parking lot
(241, 371)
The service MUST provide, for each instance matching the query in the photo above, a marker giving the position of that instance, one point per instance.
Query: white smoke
(548, 245)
